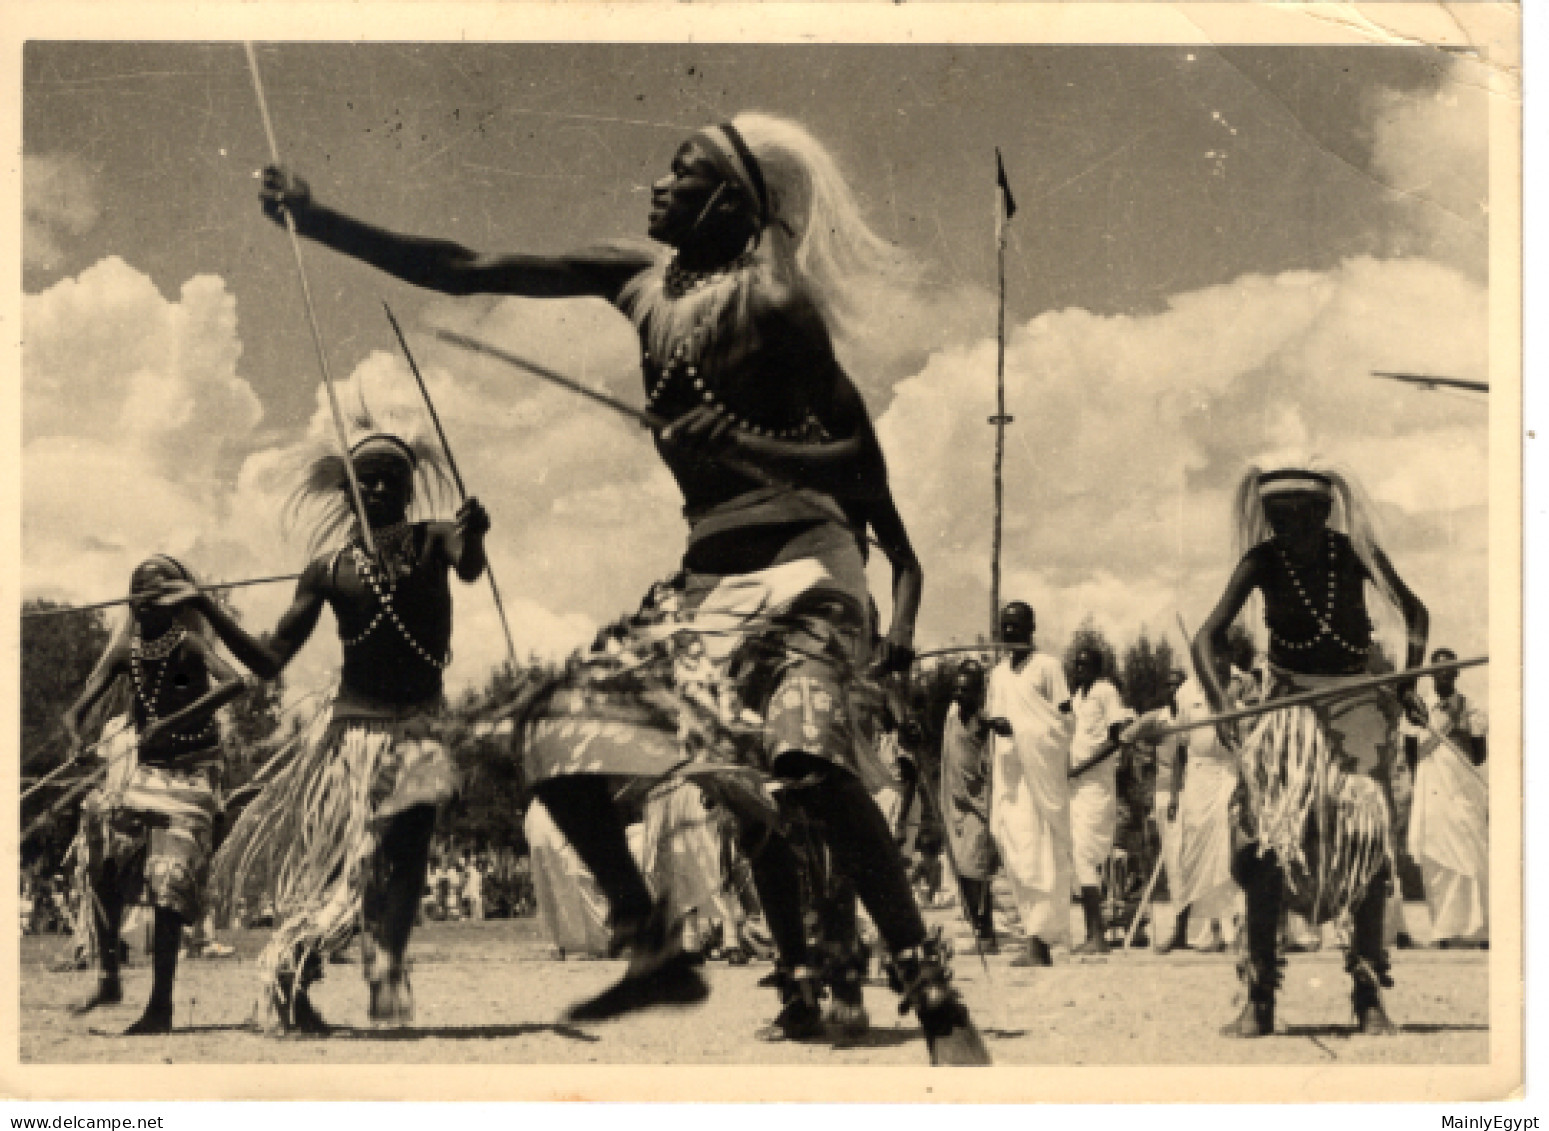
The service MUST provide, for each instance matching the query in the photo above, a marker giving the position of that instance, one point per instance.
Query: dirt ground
(490, 993)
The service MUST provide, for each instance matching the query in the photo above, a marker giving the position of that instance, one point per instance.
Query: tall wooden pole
(1000, 419)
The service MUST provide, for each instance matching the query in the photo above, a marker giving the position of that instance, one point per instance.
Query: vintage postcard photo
(818, 544)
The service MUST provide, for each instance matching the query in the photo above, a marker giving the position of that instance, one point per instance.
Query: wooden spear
(451, 462)
(30, 613)
(306, 295)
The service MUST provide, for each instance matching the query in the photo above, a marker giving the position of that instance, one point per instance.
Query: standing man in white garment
(1449, 823)
(1100, 718)
(1201, 883)
(1029, 798)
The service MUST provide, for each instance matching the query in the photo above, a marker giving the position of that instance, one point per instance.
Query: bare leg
(1092, 910)
(1262, 884)
(167, 940)
(391, 900)
(659, 972)
(107, 909)
(1367, 959)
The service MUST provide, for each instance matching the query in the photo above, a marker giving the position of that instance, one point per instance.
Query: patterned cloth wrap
(1314, 790)
(309, 841)
(149, 830)
(713, 680)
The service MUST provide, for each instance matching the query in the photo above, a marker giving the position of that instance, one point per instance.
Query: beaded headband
(384, 444)
(167, 559)
(735, 161)
(1294, 481)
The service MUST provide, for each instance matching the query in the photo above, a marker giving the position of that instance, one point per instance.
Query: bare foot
(109, 991)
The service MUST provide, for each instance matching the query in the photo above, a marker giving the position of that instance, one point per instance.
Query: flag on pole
(1008, 201)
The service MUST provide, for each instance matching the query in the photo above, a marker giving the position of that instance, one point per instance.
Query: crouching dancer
(147, 834)
(342, 834)
(1313, 811)
(744, 663)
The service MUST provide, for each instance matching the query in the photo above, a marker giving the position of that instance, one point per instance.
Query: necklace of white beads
(1325, 619)
(383, 588)
(157, 653)
(686, 359)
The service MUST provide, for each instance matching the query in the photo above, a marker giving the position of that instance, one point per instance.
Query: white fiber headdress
(320, 504)
(811, 236)
(1350, 511)
(815, 236)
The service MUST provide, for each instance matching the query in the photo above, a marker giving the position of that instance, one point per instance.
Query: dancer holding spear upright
(342, 834)
(781, 475)
(1313, 810)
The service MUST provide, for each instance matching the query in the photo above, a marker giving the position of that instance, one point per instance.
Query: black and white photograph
(680, 546)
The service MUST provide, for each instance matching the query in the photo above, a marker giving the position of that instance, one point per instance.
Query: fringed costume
(1312, 815)
(338, 835)
(309, 842)
(743, 665)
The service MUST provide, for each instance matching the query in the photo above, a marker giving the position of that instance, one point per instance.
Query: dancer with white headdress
(1314, 812)
(341, 836)
(747, 658)
(147, 835)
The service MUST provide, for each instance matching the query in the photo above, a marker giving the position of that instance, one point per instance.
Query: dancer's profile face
(679, 198)
(386, 488)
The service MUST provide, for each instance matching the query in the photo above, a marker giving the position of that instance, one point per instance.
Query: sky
(1213, 249)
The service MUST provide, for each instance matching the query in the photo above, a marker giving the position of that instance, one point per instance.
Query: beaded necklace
(686, 361)
(158, 653)
(1325, 619)
(383, 588)
(680, 281)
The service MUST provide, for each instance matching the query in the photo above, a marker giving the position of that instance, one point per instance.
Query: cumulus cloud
(59, 200)
(141, 436)
(1130, 433)
(131, 408)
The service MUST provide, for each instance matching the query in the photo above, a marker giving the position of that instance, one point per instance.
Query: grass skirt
(307, 841)
(1313, 792)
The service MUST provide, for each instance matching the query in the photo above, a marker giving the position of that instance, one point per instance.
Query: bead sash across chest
(383, 590)
(1325, 619)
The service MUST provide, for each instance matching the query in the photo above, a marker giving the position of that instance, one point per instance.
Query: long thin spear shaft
(462, 490)
(46, 778)
(954, 649)
(640, 416)
(306, 295)
(30, 613)
(1306, 698)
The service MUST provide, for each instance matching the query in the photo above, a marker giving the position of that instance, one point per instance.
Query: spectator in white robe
(1202, 886)
(1100, 718)
(1029, 793)
(1449, 819)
